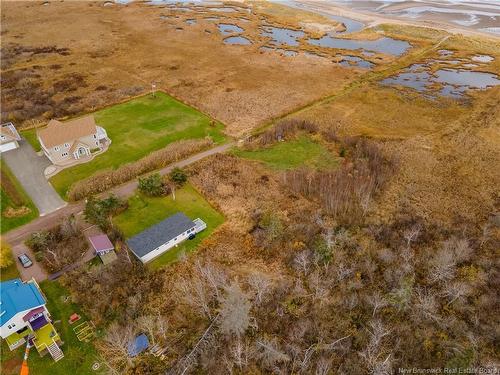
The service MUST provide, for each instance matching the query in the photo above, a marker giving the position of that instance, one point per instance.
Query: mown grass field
(30, 136)
(144, 212)
(138, 127)
(302, 151)
(78, 356)
(14, 196)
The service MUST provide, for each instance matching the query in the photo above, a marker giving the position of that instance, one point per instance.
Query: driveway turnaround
(28, 167)
(35, 271)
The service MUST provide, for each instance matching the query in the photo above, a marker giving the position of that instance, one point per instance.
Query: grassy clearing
(144, 212)
(302, 151)
(13, 196)
(78, 356)
(10, 272)
(137, 128)
(385, 112)
(30, 136)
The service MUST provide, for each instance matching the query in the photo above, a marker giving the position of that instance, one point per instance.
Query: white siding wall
(17, 319)
(163, 248)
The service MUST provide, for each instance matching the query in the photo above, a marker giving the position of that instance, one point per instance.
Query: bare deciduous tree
(373, 351)
(376, 301)
(154, 325)
(269, 352)
(115, 346)
(214, 276)
(195, 294)
(234, 311)
(426, 305)
(454, 250)
(261, 284)
(456, 291)
(411, 234)
(302, 261)
(343, 272)
(240, 352)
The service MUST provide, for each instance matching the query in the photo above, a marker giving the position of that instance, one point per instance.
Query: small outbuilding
(103, 248)
(159, 238)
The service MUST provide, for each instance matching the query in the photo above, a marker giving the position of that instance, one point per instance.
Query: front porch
(81, 158)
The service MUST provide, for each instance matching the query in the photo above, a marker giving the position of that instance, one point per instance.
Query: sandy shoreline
(373, 19)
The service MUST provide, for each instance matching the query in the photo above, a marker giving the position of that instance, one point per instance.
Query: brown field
(105, 54)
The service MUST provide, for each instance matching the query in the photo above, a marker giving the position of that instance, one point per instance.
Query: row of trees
(105, 180)
(155, 185)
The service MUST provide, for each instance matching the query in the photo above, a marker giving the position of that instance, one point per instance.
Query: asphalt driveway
(28, 167)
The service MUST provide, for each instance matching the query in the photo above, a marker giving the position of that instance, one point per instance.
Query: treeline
(105, 180)
(346, 192)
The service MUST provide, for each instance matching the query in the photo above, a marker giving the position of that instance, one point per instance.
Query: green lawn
(78, 356)
(10, 272)
(8, 223)
(292, 154)
(144, 211)
(137, 128)
(30, 136)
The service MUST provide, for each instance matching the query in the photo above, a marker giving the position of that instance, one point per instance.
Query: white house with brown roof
(64, 143)
(9, 137)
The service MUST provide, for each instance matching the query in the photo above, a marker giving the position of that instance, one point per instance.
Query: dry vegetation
(238, 85)
(388, 261)
(60, 246)
(258, 296)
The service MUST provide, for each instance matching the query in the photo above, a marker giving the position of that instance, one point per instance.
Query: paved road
(18, 235)
(28, 167)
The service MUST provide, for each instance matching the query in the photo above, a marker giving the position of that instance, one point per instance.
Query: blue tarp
(138, 345)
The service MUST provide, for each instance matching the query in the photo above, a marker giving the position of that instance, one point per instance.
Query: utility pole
(153, 89)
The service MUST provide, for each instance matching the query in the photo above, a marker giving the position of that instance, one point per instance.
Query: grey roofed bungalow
(159, 234)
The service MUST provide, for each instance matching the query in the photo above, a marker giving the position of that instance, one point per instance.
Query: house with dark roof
(72, 140)
(24, 316)
(161, 237)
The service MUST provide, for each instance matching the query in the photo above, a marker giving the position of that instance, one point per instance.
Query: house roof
(33, 312)
(56, 133)
(159, 234)
(8, 130)
(16, 296)
(101, 242)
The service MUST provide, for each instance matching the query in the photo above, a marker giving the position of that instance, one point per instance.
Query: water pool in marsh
(227, 29)
(449, 82)
(385, 45)
(237, 40)
(282, 35)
